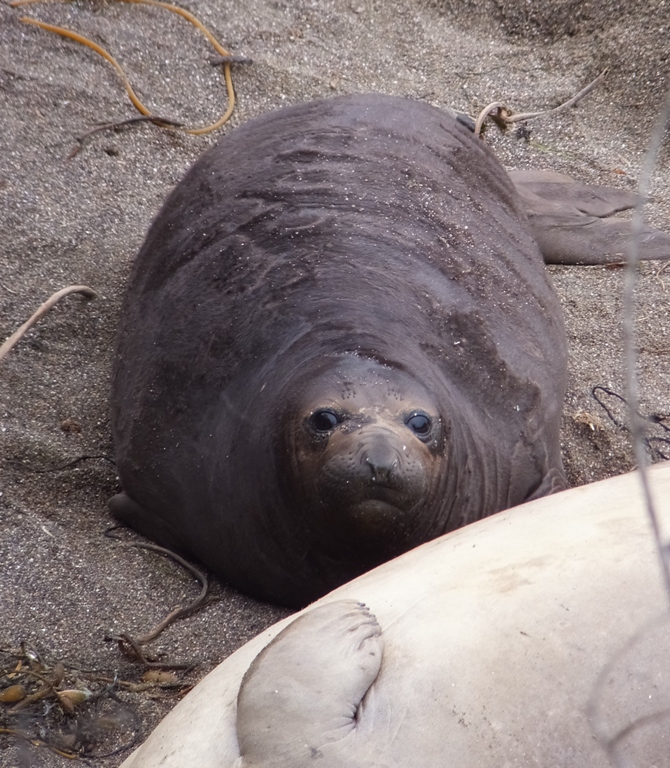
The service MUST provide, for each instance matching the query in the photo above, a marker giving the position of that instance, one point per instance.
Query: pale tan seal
(486, 650)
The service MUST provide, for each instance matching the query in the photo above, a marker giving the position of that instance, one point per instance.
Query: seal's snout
(374, 469)
(382, 462)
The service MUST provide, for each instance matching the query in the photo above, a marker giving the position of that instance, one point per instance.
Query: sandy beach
(78, 217)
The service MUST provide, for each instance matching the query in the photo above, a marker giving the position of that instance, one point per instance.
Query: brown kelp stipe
(227, 59)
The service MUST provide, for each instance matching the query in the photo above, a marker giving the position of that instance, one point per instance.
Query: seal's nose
(383, 463)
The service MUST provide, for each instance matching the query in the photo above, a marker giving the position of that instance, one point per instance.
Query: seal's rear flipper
(303, 691)
(569, 221)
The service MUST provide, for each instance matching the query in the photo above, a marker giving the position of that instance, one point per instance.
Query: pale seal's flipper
(570, 225)
(303, 691)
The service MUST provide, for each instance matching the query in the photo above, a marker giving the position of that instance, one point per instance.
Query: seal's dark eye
(324, 420)
(420, 424)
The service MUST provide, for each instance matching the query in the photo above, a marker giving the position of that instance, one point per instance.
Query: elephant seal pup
(338, 342)
(488, 649)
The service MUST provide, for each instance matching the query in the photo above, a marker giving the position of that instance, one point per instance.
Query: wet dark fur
(367, 224)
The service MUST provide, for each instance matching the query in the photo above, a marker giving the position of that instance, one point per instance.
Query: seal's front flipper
(569, 221)
(303, 691)
(128, 512)
(553, 482)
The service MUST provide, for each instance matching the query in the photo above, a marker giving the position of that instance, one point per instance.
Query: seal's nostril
(383, 465)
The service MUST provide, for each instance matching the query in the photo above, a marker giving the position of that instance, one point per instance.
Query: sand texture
(71, 219)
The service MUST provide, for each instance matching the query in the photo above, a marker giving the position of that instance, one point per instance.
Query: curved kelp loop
(41, 311)
(503, 116)
(131, 645)
(227, 57)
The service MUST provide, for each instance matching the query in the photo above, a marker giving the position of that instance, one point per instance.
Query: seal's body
(505, 643)
(339, 341)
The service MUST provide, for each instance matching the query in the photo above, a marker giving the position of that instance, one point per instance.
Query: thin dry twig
(611, 743)
(142, 687)
(216, 61)
(504, 116)
(161, 122)
(637, 424)
(38, 742)
(60, 467)
(43, 309)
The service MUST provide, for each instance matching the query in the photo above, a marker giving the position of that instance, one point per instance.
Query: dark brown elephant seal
(339, 341)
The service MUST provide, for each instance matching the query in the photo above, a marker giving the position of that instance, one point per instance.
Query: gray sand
(63, 585)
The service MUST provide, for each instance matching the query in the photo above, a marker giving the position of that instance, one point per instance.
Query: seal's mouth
(375, 519)
(355, 490)
(375, 490)
(377, 506)
(375, 529)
